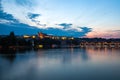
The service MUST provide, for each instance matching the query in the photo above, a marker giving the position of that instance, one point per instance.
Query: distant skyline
(77, 18)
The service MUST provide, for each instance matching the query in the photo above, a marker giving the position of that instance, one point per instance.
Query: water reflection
(61, 64)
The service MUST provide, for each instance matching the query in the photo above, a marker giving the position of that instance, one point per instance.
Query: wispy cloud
(65, 25)
(69, 33)
(6, 18)
(4, 21)
(33, 15)
(18, 9)
(105, 34)
(23, 2)
(25, 21)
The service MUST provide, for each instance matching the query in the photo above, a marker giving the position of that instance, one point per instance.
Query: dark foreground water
(62, 64)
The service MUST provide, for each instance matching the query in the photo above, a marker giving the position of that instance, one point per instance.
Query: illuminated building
(40, 46)
(26, 36)
(42, 35)
(33, 37)
(64, 38)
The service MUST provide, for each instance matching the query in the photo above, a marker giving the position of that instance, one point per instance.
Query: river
(61, 64)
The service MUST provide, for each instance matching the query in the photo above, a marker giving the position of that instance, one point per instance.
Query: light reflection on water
(62, 64)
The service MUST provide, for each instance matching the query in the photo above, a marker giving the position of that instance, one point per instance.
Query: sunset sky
(78, 18)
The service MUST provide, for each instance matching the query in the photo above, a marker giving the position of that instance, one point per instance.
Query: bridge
(100, 44)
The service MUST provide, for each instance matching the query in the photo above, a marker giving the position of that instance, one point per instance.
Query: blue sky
(88, 18)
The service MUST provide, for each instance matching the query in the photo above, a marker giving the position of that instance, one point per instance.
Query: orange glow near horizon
(103, 35)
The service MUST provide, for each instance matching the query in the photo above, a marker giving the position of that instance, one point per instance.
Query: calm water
(62, 64)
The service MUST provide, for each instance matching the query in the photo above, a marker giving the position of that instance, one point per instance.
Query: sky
(77, 18)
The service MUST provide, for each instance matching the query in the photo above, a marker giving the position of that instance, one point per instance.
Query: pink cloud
(107, 34)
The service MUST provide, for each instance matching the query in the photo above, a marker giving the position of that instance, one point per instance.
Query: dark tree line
(12, 40)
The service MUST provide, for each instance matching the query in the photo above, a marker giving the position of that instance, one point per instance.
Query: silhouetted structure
(42, 40)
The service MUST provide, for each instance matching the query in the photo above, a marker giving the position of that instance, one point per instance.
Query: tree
(12, 39)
